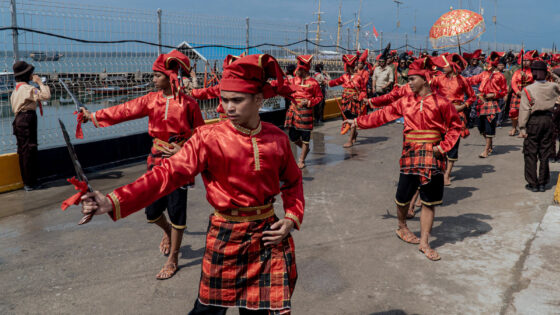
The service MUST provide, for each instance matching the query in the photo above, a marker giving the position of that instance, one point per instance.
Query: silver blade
(77, 166)
(74, 98)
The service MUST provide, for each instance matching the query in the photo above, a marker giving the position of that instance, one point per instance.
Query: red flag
(375, 32)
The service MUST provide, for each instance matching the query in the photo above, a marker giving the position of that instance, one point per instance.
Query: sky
(517, 21)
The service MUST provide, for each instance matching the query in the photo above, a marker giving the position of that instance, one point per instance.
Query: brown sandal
(430, 253)
(168, 271)
(407, 236)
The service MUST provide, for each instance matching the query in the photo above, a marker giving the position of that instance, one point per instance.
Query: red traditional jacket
(365, 74)
(352, 84)
(304, 89)
(455, 88)
(168, 119)
(209, 93)
(430, 122)
(494, 82)
(240, 168)
(518, 81)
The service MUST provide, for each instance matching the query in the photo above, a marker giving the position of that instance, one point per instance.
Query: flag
(375, 32)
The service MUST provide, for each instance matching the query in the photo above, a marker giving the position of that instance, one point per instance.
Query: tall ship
(42, 56)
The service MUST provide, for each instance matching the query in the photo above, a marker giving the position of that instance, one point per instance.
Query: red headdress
(531, 55)
(349, 61)
(250, 74)
(475, 55)
(363, 56)
(422, 67)
(455, 61)
(169, 64)
(304, 62)
(494, 58)
(231, 58)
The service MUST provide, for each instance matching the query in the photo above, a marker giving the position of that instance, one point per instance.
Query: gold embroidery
(295, 218)
(94, 119)
(246, 131)
(166, 105)
(256, 154)
(117, 205)
(234, 218)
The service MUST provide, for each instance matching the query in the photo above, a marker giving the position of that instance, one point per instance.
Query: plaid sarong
(418, 158)
(299, 117)
(238, 271)
(348, 102)
(488, 109)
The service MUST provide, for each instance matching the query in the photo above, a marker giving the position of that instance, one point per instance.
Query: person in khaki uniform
(536, 126)
(24, 101)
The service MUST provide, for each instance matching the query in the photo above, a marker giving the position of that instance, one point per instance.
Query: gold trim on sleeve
(116, 204)
(94, 120)
(293, 217)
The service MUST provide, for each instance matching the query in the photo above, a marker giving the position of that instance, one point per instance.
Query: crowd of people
(249, 261)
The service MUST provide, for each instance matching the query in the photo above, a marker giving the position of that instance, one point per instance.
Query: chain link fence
(105, 56)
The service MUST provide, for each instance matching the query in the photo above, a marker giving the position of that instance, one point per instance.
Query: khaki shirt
(543, 97)
(382, 77)
(26, 96)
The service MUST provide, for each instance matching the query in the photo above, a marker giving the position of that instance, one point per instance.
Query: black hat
(538, 65)
(385, 54)
(22, 68)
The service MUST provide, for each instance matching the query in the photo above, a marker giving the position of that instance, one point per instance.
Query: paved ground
(499, 242)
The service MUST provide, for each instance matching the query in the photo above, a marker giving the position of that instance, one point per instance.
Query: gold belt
(246, 214)
(161, 145)
(423, 136)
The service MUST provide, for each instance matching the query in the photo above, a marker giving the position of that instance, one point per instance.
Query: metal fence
(103, 74)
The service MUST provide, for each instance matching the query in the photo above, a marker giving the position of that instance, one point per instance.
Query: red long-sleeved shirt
(354, 82)
(518, 82)
(239, 167)
(454, 88)
(490, 82)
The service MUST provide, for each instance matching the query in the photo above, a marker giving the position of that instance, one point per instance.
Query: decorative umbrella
(456, 28)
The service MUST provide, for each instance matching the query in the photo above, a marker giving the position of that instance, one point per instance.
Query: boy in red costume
(249, 260)
(299, 117)
(172, 117)
(431, 128)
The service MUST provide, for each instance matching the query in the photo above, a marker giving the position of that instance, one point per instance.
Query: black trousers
(201, 309)
(25, 130)
(538, 147)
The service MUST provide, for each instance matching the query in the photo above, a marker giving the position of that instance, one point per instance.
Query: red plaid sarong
(488, 109)
(348, 102)
(299, 117)
(418, 156)
(514, 106)
(238, 271)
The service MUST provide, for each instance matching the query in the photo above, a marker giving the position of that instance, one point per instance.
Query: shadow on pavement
(503, 149)
(187, 252)
(471, 171)
(456, 229)
(453, 195)
(368, 140)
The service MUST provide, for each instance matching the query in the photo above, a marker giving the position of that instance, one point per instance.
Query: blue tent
(212, 53)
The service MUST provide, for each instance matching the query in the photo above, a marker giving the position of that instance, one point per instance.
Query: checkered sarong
(515, 101)
(299, 117)
(488, 109)
(348, 102)
(238, 271)
(419, 159)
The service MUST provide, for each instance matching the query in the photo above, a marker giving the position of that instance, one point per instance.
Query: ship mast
(339, 25)
(318, 34)
(358, 27)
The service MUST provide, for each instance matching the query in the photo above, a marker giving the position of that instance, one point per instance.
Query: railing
(77, 43)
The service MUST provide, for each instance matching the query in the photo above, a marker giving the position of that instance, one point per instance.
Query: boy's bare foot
(165, 244)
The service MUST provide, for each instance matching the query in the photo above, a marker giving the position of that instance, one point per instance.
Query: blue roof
(220, 53)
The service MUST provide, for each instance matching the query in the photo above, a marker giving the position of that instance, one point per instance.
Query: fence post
(406, 41)
(159, 30)
(306, 37)
(247, 38)
(15, 42)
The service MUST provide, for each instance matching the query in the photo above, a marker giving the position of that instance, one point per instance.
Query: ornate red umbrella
(456, 28)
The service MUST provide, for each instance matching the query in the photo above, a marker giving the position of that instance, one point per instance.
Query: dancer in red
(431, 128)
(492, 87)
(299, 117)
(352, 95)
(521, 78)
(172, 117)
(456, 89)
(249, 260)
